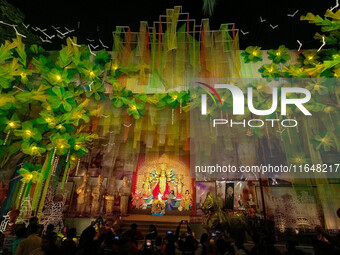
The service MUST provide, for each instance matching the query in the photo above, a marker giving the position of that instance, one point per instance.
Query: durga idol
(162, 178)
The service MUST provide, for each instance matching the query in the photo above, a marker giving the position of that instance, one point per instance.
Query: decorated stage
(162, 185)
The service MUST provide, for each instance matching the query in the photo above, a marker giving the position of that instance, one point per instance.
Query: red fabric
(233, 31)
(127, 128)
(155, 191)
(95, 121)
(127, 49)
(140, 162)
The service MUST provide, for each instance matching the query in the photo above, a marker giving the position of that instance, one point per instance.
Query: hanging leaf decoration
(208, 7)
(252, 54)
(279, 55)
(323, 141)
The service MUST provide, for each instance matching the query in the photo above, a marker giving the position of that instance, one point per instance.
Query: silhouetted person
(3, 248)
(152, 235)
(134, 234)
(240, 249)
(32, 242)
(158, 245)
(203, 245)
(291, 248)
(20, 232)
(68, 246)
(170, 248)
(33, 220)
(50, 229)
(48, 246)
(107, 246)
(127, 247)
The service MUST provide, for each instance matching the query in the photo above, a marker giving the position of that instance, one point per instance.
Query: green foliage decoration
(44, 99)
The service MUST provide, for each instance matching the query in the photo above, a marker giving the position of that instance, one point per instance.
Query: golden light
(23, 75)
(77, 146)
(174, 97)
(48, 119)
(92, 74)
(11, 124)
(133, 107)
(61, 146)
(59, 126)
(114, 67)
(271, 70)
(278, 53)
(28, 132)
(310, 57)
(298, 160)
(34, 149)
(324, 140)
(48, 108)
(57, 77)
(30, 176)
(73, 158)
(255, 53)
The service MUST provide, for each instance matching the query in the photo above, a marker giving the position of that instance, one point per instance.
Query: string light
(28, 132)
(114, 67)
(34, 149)
(57, 77)
(92, 74)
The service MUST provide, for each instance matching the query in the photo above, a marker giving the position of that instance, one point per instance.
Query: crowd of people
(106, 237)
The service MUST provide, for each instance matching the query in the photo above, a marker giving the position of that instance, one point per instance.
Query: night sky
(106, 14)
